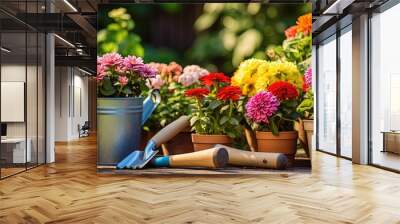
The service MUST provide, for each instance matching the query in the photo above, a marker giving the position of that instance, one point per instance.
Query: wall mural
(215, 85)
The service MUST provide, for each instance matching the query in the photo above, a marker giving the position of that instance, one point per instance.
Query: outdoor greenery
(265, 48)
(219, 37)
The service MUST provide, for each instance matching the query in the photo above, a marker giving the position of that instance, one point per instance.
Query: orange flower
(304, 24)
(291, 32)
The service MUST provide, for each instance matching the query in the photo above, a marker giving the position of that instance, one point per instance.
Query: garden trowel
(150, 104)
(138, 159)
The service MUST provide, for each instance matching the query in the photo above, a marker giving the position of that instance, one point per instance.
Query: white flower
(191, 74)
(155, 83)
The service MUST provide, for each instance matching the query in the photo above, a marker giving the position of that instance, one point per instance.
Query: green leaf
(223, 120)
(205, 21)
(233, 121)
(127, 91)
(214, 104)
(193, 120)
(224, 108)
(274, 128)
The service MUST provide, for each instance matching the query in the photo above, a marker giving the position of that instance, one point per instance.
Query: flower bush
(172, 80)
(297, 47)
(255, 75)
(306, 107)
(273, 109)
(217, 108)
(119, 76)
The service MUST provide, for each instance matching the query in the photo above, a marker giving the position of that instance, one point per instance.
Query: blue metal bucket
(119, 125)
(118, 128)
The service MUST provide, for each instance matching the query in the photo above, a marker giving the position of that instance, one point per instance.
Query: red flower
(291, 32)
(229, 93)
(305, 88)
(209, 79)
(283, 90)
(197, 92)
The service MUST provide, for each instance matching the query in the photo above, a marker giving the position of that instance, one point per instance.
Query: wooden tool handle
(171, 130)
(209, 158)
(239, 157)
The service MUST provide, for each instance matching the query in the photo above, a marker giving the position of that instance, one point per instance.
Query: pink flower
(191, 74)
(262, 106)
(132, 62)
(196, 71)
(110, 60)
(123, 80)
(187, 80)
(101, 72)
(307, 79)
(156, 83)
(174, 68)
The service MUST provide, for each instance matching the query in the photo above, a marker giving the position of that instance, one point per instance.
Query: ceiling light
(5, 50)
(70, 5)
(65, 41)
(337, 7)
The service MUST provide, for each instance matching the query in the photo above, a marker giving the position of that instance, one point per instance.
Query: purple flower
(136, 65)
(262, 106)
(133, 62)
(110, 60)
(308, 78)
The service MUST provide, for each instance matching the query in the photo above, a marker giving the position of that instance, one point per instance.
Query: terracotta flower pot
(201, 142)
(309, 128)
(182, 143)
(285, 142)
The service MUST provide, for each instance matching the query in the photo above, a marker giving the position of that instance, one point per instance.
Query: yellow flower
(255, 75)
(278, 71)
(246, 75)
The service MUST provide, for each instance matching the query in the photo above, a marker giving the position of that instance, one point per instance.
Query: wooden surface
(71, 191)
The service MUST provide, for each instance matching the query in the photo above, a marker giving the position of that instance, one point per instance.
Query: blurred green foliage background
(217, 36)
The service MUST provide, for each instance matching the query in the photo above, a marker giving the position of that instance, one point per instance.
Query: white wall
(15, 73)
(33, 127)
(71, 102)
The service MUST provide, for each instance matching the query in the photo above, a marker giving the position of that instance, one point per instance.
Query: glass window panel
(385, 84)
(32, 97)
(41, 98)
(14, 153)
(327, 96)
(346, 94)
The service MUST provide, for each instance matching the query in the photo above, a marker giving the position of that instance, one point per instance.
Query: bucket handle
(150, 104)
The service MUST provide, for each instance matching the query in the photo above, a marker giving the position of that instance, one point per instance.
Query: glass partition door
(22, 78)
(385, 89)
(346, 93)
(326, 97)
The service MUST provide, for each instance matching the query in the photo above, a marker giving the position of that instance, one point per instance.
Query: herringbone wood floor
(70, 191)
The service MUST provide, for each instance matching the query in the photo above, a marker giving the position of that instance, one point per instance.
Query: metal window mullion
(0, 93)
(316, 97)
(369, 95)
(338, 94)
(26, 87)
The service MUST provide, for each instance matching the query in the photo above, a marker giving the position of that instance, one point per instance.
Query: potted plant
(172, 81)
(271, 114)
(216, 117)
(306, 111)
(297, 47)
(120, 81)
